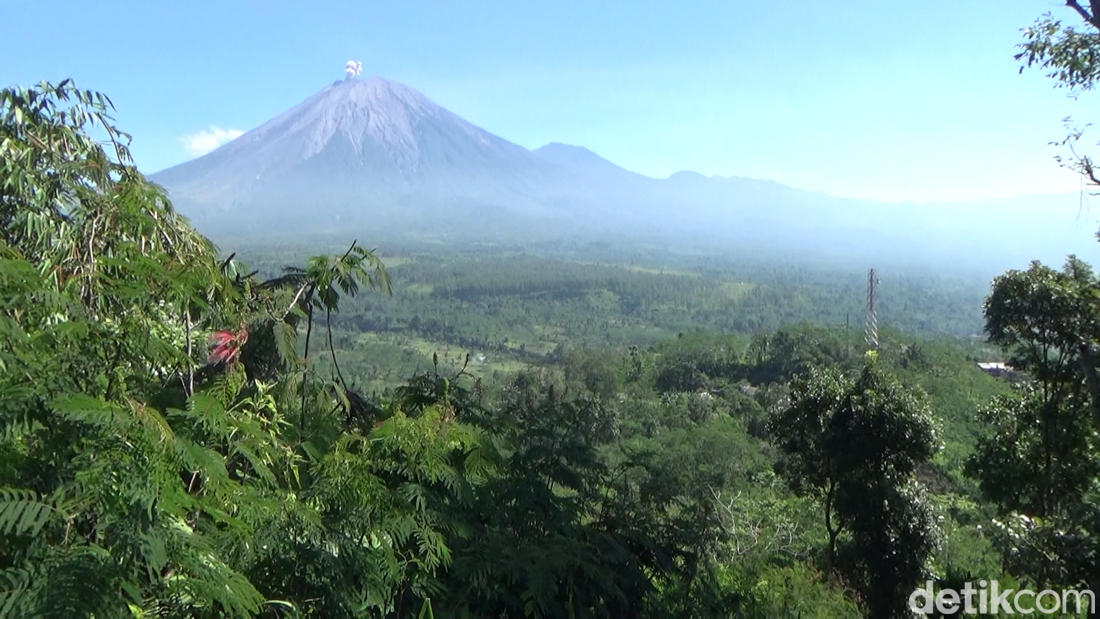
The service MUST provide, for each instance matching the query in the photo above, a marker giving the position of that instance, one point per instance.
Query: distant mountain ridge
(376, 155)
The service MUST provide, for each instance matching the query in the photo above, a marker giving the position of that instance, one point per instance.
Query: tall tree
(854, 443)
(319, 286)
(1038, 460)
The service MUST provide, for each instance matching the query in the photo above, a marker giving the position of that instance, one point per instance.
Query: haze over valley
(377, 156)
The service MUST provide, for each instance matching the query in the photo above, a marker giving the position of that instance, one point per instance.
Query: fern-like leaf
(13, 587)
(23, 512)
(286, 344)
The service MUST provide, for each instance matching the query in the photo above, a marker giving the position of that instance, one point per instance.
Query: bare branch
(295, 301)
(1092, 18)
(348, 252)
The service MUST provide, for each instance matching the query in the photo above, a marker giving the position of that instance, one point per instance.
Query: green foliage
(139, 481)
(1037, 457)
(1071, 58)
(596, 456)
(516, 310)
(796, 590)
(1069, 55)
(1038, 460)
(855, 443)
(23, 512)
(1042, 316)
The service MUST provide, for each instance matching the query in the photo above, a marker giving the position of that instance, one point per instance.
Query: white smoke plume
(353, 69)
(198, 144)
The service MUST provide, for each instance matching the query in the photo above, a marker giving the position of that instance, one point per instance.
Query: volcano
(376, 152)
(376, 156)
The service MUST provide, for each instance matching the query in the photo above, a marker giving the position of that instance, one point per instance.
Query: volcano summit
(360, 151)
(377, 156)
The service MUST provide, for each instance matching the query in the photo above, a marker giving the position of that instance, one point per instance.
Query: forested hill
(184, 435)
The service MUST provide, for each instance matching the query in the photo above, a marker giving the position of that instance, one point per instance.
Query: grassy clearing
(396, 261)
(736, 290)
(415, 354)
(641, 269)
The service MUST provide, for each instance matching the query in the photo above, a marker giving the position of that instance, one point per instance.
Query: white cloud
(200, 143)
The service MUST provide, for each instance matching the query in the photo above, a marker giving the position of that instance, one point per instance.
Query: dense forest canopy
(478, 434)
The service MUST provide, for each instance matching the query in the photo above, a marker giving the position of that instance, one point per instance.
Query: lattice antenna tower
(872, 309)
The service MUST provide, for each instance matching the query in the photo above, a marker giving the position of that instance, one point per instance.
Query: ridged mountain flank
(376, 157)
(356, 151)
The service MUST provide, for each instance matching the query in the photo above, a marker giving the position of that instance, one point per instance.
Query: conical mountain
(376, 157)
(363, 151)
(379, 154)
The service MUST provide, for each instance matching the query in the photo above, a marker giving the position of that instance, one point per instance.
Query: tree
(1038, 457)
(542, 523)
(1049, 321)
(855, 443)
(319, 286)
(135, 481)
(97, 276)
(1071, 57)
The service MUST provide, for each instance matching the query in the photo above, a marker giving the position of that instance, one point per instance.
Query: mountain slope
(358, 147)
(376, 156)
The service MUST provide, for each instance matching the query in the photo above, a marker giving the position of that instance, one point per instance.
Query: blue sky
(868, 99)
